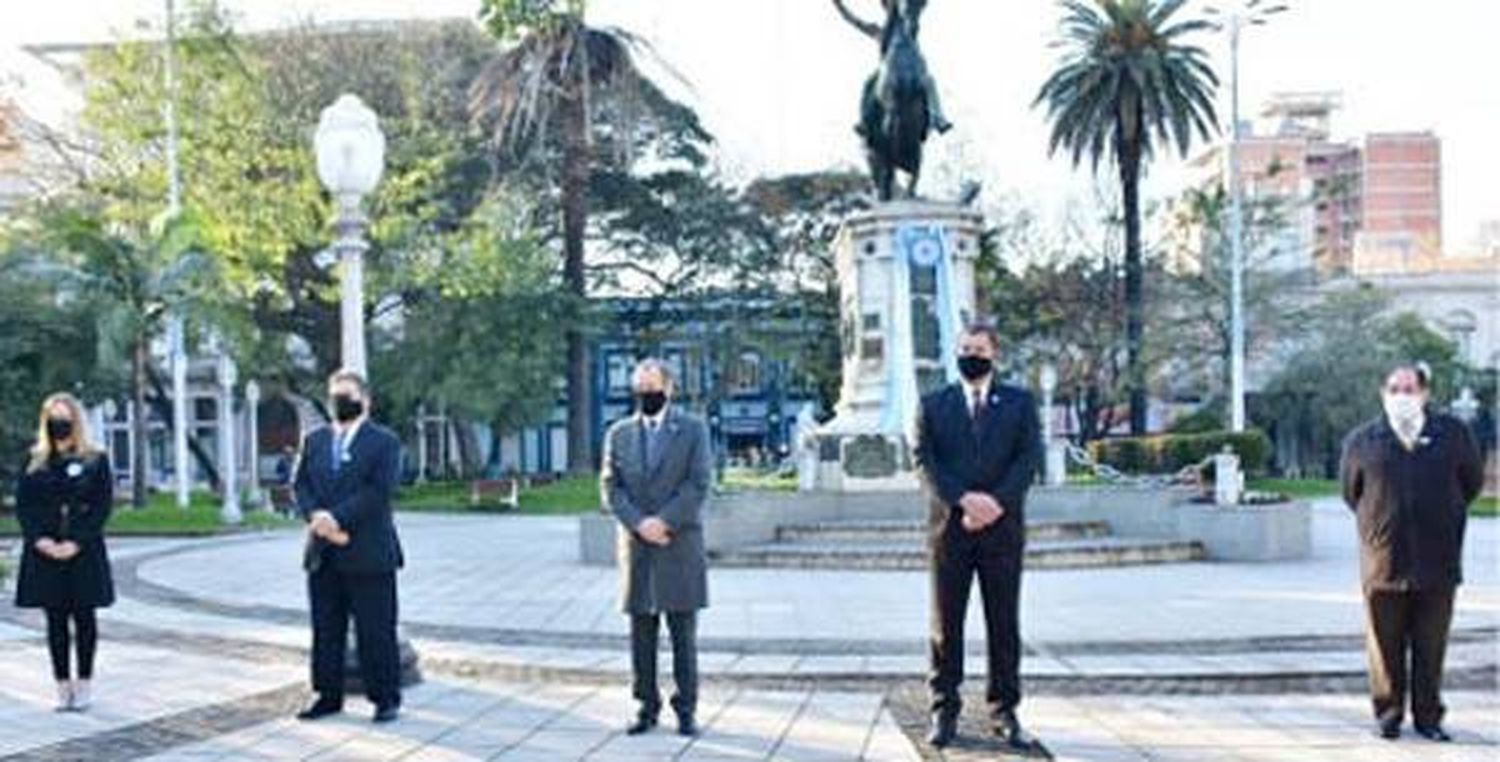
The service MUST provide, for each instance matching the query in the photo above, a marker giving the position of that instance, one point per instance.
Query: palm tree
(1127, 81)
(555, 73)
(135, 285)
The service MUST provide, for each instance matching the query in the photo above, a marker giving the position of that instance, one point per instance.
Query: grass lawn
(1306, 488)
(755, 479)
(1296, 487)
(570, 495)
(162, 517)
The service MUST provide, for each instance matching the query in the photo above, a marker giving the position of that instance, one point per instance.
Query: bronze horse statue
(899, 106)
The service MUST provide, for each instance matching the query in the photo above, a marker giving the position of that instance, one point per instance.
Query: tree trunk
(138, 463)
(1135, 373)
(575, 217)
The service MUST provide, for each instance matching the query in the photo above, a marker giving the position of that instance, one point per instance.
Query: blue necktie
(338, 451)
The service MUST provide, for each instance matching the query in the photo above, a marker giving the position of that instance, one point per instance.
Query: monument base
(867, 462)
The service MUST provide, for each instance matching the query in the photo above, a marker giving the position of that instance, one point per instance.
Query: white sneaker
(64, 695)
(82, 695)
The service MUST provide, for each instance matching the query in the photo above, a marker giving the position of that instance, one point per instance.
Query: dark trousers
(957, 558)
(645, 630)
(1399, 623)
(85, 637)
(371, 599)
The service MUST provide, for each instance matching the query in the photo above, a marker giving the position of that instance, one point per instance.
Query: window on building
(205, 409)
(618, 367)
(746, 378)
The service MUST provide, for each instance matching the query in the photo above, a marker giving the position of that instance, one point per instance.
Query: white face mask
(1404, 408)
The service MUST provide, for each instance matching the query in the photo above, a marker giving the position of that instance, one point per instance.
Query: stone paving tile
(1306, 728)
(527, 572)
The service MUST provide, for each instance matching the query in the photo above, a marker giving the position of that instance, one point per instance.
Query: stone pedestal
(906, 287)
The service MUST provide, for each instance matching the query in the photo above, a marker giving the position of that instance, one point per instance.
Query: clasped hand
(654, 530)
(323, 524)
(58, 551)
(980, 510)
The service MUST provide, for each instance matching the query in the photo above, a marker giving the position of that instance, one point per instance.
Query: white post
(179, 368)
(228, 473)
(421, 444)
(1055, 466)
(1236, 244)
(1229, 483)
(252, 413)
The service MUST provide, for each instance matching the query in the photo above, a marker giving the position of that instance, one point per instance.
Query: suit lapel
(671, 428)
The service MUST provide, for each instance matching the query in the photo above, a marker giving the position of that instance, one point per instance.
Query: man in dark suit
(654, 479)
(977, 449)
(345, 481)
(1409, 476)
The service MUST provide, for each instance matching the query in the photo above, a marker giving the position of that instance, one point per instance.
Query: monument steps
(915, 531)
(897, 545)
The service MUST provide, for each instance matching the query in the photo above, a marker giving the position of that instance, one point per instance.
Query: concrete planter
(1277, 532)
(1248, 533)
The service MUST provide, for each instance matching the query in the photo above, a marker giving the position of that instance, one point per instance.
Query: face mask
(346, 408)
(1402, 407)
(59, 429)
(651, 403)
(974, 367)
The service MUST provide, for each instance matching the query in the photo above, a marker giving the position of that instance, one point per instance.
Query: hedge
(1170, 453)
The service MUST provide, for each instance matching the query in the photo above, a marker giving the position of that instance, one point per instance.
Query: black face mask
(59, 429)
(347, 408)
(651, 403)
(974, 367)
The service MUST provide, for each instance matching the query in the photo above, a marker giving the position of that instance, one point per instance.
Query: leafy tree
(1331, 380)
(1194, 320)
(1127, 82)
(48, 345)
(133, 284)
(560, 87)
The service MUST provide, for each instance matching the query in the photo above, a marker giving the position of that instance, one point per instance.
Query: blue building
(740, 363)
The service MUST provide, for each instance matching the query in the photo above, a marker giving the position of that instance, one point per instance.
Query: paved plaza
(524, 658)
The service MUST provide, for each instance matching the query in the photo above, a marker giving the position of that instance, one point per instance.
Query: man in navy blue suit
(977, 449)
(345, 481)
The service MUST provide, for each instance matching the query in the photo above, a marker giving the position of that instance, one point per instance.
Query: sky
(777, 81)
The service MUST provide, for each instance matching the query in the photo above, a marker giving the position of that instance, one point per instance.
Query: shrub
(1169, 453)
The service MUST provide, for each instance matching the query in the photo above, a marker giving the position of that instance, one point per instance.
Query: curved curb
(1059, 655)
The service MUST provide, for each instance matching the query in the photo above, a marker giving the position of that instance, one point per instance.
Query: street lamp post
(176, 340)
(351, 156)
(1253, 13)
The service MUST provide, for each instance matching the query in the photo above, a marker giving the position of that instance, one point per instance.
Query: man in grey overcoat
(655, 479)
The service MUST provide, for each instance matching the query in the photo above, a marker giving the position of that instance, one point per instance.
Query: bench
(504, 492)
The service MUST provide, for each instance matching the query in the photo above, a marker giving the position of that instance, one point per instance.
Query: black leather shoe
(944, 730)
(1389, 729)
(1434, 733)
(386, 713)
(1008, 727)
(321, 708)
(686, 725)
(642, 724)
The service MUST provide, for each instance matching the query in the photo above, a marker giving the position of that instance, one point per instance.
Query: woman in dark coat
(63, 500)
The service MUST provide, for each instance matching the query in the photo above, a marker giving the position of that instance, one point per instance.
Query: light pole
(1254, 13)
(228, 374)
(351, 156)
(176, 341)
